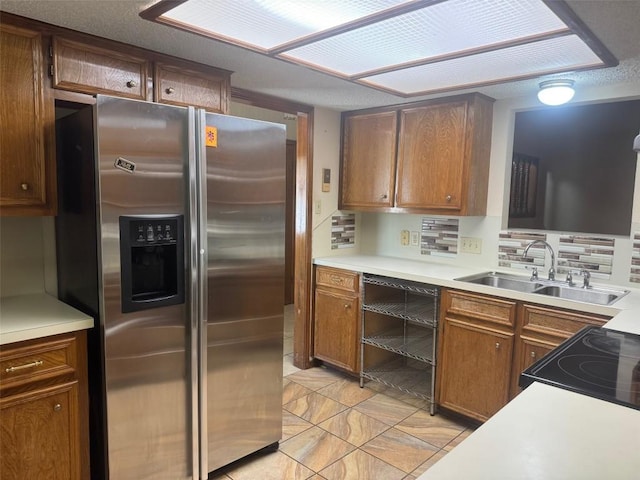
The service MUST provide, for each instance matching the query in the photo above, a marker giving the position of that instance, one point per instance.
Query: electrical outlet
(404, 238)
(318, 207)
(415, 238)
(470, 245)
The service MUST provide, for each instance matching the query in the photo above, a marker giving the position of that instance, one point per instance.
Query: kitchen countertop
(25, 317)
(545, 432)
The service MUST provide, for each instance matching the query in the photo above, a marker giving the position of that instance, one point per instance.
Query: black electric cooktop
(596, 361)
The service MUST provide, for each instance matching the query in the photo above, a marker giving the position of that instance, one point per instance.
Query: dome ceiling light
(556, 92)
(403, 47)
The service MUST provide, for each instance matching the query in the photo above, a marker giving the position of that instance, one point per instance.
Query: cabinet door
(475, 369)
(431, 157)
(176, 85)
(336, 329)
(368, 161)
(90, 69)
(39, 435)
(27, 163)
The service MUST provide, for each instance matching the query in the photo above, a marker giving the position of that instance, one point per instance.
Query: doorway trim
(303, 226)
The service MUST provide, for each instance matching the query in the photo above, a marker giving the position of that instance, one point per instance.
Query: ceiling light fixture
(556, 92)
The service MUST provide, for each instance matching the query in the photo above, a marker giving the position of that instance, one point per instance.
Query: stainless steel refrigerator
(170, 232)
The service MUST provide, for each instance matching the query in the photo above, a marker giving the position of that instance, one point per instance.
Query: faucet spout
(552, 268)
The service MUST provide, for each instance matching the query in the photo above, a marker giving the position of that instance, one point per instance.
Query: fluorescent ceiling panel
(543, 57)
(406, 47)
(428, 33)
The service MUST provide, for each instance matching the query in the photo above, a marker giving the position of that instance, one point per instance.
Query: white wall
(380, 233)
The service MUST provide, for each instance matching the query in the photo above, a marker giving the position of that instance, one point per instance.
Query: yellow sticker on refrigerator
(211, 136)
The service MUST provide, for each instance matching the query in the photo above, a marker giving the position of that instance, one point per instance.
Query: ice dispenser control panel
(152, 261)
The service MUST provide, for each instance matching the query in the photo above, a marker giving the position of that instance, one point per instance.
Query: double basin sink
(551, 288)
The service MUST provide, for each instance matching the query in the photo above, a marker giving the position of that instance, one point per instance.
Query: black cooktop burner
(596, 361)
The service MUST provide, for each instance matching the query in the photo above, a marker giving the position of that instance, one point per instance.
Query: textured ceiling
(615, 23)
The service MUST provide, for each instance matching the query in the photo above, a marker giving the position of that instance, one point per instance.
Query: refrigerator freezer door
(245, 208)
(143, 153)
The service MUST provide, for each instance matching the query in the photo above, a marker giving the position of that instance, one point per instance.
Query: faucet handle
(586, 277)
(570, 278)
(534, 272)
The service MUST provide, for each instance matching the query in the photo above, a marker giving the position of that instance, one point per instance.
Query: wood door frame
(303, 224)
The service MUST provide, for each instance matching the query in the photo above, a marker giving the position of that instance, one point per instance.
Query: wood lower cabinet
(182, 84)
(475, 354)
(43, 409)
(541, 329)
(27, 163)
(336, 332)
(440, 164)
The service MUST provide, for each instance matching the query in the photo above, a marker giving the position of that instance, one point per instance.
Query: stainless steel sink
(599, 296)
(596, 295)
(503, 280)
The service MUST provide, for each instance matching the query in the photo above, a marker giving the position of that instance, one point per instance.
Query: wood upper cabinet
(182, 84)
(43, 409)
(368, 160)
(91, 69)
(27, 119)
(337, 318)
(475, 353)
(441, 164)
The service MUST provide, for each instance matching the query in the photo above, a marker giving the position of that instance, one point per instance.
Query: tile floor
(335, 430)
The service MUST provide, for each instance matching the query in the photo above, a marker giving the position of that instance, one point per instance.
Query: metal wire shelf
(423, 312)
(411, 378)
(417, 345)
(406, 285)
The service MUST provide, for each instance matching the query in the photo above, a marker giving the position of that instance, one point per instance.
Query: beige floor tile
(287, 366)
(314, 408)
(315, 378)
(292, 391)
(456, 441)
(292, 425)
(386, 409)
(436, 430)
(316, 448)
(220, 476)
(400, 449)
(271, 466)
(429, 463)
(359, 465)
(347, 391)
(354, 427)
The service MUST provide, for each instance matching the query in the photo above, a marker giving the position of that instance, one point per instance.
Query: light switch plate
(404, 238)
(415, 238)
(470, 245)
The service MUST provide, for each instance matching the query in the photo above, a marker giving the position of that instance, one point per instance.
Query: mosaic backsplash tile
(511, 245)
(439, 237)
(635, 259)
(592, 253)
(343, 231)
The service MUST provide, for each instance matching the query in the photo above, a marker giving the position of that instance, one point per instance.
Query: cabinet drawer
(180, 86)
(88, 69)
(481, 307)
(37, 361)
(556, 323)
(335, 278)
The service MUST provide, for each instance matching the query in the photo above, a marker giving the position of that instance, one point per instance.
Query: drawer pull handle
(336, 279)
(57, 407)
(170, 90)
(37, 363)
(131, 84)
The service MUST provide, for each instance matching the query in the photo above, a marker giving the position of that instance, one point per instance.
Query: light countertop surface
(545, 433)
(25, 317)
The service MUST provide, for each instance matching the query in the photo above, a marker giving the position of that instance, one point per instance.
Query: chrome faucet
(552, 269)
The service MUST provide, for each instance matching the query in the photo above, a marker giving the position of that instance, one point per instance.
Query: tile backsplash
(439, 237)
(343, 231)
(592, 253)
(511, 246)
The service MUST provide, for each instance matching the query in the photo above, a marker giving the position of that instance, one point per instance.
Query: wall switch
(404, 238)
(470, 245)
(415, 238)
(317, 207)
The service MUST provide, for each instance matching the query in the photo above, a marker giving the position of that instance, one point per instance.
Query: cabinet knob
(57, 407)
(24, 186)
(132, 84)
(384, 196)
(170, 90)
(347, 306)
(448, 198)
(533, 354)
(497, 345)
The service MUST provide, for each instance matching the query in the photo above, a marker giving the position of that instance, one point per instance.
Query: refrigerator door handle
(201, 287)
